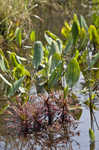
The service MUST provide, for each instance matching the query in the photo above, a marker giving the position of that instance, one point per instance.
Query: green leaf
(50, 34)
(65, 91)
(69, 45)
(75, 29)
(83, 23)
(54, 48)
(93, 34)
(94, 60)
(91, 135)
(72, 72)
(18, 36)
(3, 62)
(49, 65)
(6, 81)
(48, 39)
(55, 75)
(56, 59)
(13, 59)
(20, 71)
(59, 42)
(75, 32)
(38, 53)
(15, 87)
(32, 36)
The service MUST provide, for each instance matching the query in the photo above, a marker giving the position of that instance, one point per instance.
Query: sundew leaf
(91, 135)
(72, 72)
(32, 36)
(15, 86)
(83, 23)
(38, 53)
(18, 36)
(5, 80)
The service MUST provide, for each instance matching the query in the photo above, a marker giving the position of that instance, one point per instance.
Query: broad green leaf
(32, 36)
(75, 32)
(83, 23)
(55, 76)
(69, 45)
(38, 54)
(5, 80)
(76, 20)
(54, 48)
(72, 72)
(75, 29)
(83, 38)
(56, 59)
(91, 135)
(18, 36)
(15, 87)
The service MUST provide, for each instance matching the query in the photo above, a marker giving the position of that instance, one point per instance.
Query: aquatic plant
(38, 115)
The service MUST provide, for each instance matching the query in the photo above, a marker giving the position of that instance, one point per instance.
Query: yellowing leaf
(93, 34)
(32, 35)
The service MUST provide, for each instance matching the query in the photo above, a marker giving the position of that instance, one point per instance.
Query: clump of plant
(45, 114)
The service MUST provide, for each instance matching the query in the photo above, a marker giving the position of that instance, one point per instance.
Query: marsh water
(53, 15)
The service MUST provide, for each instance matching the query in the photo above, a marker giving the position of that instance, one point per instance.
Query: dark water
(53, 15)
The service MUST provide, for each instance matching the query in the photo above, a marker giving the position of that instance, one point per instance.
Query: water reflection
(39, 141)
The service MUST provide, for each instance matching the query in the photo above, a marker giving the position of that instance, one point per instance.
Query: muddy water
(53, 16)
